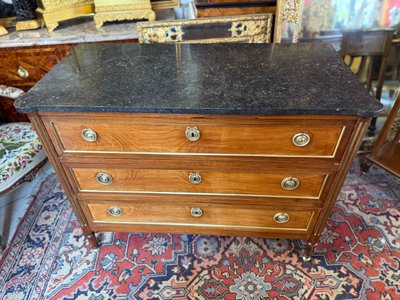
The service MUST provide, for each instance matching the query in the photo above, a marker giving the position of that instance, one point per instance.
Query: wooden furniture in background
(386, 152)
(23, 67)
(219, 8)
(249, 28)
(368, 46)
(163, 4)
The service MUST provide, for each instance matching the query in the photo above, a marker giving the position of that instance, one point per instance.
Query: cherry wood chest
(252, 140)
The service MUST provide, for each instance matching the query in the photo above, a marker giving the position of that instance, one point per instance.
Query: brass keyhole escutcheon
(192, 134)
(194, 178)
(196, 212)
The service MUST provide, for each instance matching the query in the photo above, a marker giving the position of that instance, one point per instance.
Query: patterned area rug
(358, 257)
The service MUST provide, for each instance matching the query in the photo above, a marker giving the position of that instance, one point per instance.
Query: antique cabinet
(227, 139)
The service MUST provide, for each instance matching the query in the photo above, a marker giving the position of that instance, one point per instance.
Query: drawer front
(199, 214)
(85, 136)
(23, 67)
(206, 182)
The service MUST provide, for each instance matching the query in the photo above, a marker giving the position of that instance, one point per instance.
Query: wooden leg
(93, 243)
(372, 127)
(308, 251)
(365, 165)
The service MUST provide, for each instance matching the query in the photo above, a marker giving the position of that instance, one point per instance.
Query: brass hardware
(301, 139)
(281, 217)
(89, 135)
(250, 29)
(114, 211)
(192, 134)
(23, 73)
(104, 178)
(196, 212)
(290, 183)
(195, 178)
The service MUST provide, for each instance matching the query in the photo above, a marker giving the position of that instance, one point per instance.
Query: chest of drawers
(193, 153)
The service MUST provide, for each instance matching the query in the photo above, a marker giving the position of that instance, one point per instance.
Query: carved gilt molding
(117, 8)
(250, 28)
(57, 5)
(288, 11)
(101, 18)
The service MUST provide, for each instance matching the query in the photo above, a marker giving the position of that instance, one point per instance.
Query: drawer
(25, 66)
(206, 182)
(257, 218)
(196, 137)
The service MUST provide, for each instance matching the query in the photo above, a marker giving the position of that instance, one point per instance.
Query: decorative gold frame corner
(289, 11)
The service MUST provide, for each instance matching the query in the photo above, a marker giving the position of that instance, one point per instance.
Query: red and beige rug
(358, 257)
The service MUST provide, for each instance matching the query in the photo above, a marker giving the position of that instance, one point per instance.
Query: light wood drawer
(169, 138)
(207, 215)
(267, 184)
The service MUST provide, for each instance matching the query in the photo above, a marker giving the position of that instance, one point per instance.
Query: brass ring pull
(290, 183)
(104, 178)
(301, 139)
(22, 72)
(115, 211)
(194, 178)
(89, 135)
(196, 212)
(192, 134)
(281, 218)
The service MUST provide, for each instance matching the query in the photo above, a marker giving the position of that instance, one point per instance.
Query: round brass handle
(89, 135)
(22, 72)
(104, 178)
(301, 139)
(115, 211)
(192, 134)
(196, 212)
(290, 183)
(281, 217)
(194, 178)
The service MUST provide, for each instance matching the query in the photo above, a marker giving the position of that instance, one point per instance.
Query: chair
(360, 50)
(386, 150)
(231, 29)
(21, 152)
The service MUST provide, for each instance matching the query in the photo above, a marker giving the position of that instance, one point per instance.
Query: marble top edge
(256, 79)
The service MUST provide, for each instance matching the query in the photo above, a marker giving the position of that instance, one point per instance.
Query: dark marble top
(211, 79)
